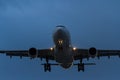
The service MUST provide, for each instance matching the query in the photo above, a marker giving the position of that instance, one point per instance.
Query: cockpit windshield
(60, 26)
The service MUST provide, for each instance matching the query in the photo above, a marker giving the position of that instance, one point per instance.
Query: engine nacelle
(33, 52)
(92, 52)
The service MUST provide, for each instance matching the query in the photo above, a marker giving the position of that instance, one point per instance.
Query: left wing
(84, 53)
(42, 53)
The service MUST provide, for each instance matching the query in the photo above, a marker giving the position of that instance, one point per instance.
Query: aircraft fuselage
(63, 49)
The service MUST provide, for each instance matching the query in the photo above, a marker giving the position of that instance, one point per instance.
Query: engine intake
(33, 52)
(92, 51)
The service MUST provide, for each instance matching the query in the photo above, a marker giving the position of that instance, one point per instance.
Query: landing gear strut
(47, 66)
(81, 66)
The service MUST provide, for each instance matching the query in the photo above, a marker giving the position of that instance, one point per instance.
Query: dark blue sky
(30, 23)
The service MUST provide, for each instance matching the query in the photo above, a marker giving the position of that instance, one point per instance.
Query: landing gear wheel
(81, 67)
(47, 67)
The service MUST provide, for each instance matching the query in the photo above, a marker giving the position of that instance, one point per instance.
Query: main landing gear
(81, 66)
(47, 66)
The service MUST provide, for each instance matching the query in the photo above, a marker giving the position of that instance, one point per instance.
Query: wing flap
(21, 53)
(108, 53)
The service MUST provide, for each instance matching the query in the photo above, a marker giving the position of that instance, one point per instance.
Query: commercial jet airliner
(63, 52)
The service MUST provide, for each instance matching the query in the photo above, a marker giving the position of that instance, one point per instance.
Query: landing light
(74, 48)
(51, 49)
(60, 42)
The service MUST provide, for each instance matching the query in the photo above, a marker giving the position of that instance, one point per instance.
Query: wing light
(51, 49)
(74, 48)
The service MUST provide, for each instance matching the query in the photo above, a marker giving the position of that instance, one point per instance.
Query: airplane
(63, 52)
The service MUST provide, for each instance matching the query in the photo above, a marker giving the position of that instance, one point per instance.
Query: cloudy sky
(30, 23)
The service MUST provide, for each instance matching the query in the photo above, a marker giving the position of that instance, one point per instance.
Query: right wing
(42, 53)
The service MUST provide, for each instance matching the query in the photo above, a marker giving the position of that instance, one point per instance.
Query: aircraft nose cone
(59, 30)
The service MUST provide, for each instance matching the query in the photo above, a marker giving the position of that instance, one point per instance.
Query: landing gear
(81, 67)
(47, 67)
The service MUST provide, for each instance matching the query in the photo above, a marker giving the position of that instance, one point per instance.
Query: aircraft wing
(84, 53)
(42, 53)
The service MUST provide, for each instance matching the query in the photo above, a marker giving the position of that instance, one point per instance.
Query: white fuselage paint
(63, 49)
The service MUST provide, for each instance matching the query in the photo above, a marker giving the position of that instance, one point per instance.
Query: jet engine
(33, 52)
(92, 52)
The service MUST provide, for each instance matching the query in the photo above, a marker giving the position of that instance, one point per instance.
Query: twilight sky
(30, 23)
